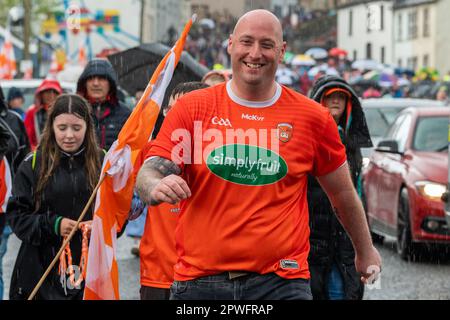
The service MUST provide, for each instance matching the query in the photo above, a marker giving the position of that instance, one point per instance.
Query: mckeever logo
(221, 121)
(252, 117)
(247, 165)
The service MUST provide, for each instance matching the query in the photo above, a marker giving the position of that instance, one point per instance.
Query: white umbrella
(367, 64)
(303, 60)
(285, 76)
(205, 22)
(317, 53)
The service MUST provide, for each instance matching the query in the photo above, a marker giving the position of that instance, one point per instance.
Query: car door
(392, 166)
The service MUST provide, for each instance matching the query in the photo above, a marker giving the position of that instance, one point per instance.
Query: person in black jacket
(331, 257)
(16, 146)
(51, 188)
(98, 84)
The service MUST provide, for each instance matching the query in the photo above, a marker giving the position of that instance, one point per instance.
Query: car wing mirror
(390, 146)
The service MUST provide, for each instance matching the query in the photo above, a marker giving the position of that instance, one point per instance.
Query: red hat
(49, 84)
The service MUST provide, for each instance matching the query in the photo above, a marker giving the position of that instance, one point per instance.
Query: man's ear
(230, 42)
(282, 52)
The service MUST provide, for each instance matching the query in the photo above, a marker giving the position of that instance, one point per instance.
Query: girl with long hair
(50, 190)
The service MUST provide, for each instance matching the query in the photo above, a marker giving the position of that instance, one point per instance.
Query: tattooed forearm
(150, 174)
(163, 166)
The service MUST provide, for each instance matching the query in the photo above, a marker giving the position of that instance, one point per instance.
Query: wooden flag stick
(83, 213)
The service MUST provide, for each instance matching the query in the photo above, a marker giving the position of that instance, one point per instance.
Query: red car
(406, 178)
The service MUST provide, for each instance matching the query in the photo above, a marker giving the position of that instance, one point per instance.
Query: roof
(33, 83)
(399, 4)
(432, 111)
(352, 3)
(400, 103)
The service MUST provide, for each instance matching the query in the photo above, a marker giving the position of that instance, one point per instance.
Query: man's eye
(267, 45)
(246, 42)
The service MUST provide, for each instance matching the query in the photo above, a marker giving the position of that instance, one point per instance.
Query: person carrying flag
(116, 184)
(236, 156)
(50, 189)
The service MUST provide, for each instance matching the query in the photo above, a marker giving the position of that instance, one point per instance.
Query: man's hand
(158, 181)
(171, 189)
(350, 212)
(369, 265)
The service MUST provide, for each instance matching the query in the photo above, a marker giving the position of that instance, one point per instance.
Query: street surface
(427, 279)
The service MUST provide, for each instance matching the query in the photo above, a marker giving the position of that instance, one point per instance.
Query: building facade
(365, 29)
(405, 33)
(422, 34)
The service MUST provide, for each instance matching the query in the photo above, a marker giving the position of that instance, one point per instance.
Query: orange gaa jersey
(246, 164)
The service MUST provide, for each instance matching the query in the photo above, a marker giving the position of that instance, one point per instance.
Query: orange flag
(5, 184)
(114, 195)
(8, 67)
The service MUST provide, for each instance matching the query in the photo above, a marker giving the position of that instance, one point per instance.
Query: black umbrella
(135, 66)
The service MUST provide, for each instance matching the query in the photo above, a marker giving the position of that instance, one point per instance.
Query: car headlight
(365, 162)
(431, 190)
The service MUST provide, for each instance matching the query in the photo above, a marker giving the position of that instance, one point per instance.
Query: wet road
(428, 278)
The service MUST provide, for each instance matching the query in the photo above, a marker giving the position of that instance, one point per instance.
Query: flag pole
(83, 213)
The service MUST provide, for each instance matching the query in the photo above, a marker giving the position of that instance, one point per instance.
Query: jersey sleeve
(174, 140)
(330, 152)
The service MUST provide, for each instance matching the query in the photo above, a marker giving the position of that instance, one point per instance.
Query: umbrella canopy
(303, 60)
(288, 56)
(367, 64)
(337, 52)
(324, 68)
(285, 76)
(208, 23)
(317, 53)
(135, 66)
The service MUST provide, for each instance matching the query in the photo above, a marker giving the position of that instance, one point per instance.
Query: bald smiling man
(236, 157)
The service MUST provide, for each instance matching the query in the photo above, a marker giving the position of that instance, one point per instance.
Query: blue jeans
(249, 287)
(335, 284)
(3, 246)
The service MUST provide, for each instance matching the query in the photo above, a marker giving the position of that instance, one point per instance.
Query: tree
(39, 7)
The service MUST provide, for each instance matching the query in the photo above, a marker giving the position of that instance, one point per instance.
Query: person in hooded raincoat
(331, 258)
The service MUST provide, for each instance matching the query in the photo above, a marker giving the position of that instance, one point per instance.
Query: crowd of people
(206, 227)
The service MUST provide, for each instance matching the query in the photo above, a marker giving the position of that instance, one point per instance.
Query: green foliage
(38, 7)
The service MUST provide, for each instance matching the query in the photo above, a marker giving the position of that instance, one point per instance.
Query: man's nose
(255, 51)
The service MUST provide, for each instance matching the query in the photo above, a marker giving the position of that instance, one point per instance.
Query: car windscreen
(431, 134)
(379, 120)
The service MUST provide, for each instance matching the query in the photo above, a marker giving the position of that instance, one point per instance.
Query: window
(399, 27)
(426, 60)
(382, 55)
(426, 23)
(399, 63)
(400, 129)
(369, 51)
(414, 63)
(350, 23)
(355, 54)
(431, 134)
(379, 119)
(412, 25)
(381, 17)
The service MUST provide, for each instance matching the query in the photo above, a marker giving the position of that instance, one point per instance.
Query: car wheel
(405, 247)
(376, 238)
